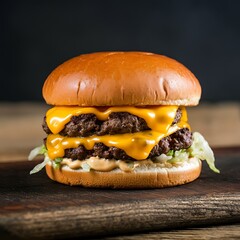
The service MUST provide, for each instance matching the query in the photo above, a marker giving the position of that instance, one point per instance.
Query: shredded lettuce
(170, 153)
(41, 150)
(57, 162)
(86, 167)
(179, 156)
(41, 165)
(201, 149)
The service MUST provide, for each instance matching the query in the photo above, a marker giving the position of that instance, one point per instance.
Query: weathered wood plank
(106, 219)
(35, 206)
(229, 232)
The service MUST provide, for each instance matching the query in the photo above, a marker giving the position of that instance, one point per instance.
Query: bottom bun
(141, 177)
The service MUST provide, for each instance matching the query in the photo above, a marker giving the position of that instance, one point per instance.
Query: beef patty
(86, 125)
(181, 139)
(117, 123)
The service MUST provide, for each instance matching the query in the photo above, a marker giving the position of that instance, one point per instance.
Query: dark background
(36, 36)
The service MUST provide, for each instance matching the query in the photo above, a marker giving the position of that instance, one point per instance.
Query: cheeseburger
(119, 120)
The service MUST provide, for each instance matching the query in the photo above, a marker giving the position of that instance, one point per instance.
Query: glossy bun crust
(121, 78)
(141, 178)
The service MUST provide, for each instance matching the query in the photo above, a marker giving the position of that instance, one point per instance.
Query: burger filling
(86, 125)
(135, 135)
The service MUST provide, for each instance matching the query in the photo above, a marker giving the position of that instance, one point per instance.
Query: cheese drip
(136, 145)
(157, 118)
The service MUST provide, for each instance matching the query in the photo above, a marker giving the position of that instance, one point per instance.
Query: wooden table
(33, 204)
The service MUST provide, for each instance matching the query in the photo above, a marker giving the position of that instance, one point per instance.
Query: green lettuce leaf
(201, 149)
(41, 150)
(41, 165)
(57, 162)
(179, 156)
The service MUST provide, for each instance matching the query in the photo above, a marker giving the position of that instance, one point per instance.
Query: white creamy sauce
(106, 165)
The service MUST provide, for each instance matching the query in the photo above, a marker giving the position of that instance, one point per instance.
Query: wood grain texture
(34, 206)
(228, 232)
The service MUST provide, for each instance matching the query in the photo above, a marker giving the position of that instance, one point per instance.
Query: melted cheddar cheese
(137, 145)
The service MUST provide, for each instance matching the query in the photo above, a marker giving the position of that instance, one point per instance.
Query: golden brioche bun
(150, 177)
(121, 78)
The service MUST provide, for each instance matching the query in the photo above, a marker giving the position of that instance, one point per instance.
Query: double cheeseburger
(119, 120)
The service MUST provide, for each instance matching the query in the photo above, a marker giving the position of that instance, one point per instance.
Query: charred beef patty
(118, 123)
(86, 125)
(181, 139)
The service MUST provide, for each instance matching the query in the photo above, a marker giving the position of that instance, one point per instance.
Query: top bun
(121, 78)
